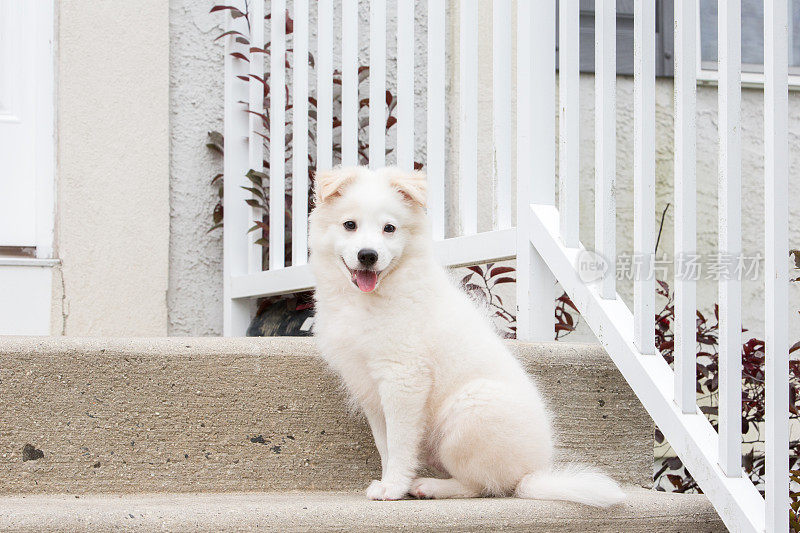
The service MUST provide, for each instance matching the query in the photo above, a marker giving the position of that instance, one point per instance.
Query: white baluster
(605, 140)
(377, 83)
(501, 100)
(569, 121)
(405, 85)
(350, 83)
(300, 135)
(730, 238)
(468, 117)
(437, 72)
(277, 136)
(776, 274)
(236, 312)
(685, 203)
(325, 85)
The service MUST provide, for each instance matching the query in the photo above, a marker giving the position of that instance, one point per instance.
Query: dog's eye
(349, 225)
(388, 228)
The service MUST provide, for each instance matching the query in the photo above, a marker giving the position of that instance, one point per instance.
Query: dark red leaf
(289, 23)
(235, 11)
(229, 32)
(500, 270)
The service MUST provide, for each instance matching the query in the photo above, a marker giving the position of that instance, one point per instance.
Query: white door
(26, 124)
(27, 163)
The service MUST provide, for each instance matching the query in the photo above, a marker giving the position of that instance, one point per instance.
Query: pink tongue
(366, 279)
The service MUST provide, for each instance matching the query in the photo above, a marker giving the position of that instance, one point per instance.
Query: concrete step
(191, 415)
(644, 511)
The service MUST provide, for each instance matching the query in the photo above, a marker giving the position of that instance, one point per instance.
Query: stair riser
(222, 415)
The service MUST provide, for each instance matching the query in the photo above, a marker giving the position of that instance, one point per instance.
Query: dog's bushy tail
(572, 483)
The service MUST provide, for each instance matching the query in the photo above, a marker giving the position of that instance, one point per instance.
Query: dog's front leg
(403, 392)
(377, 424)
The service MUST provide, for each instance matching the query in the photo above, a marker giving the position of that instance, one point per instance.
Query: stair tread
(644, 510)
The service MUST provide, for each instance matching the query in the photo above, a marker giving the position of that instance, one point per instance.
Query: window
(752, 39)
(752, 36)
(664, 37)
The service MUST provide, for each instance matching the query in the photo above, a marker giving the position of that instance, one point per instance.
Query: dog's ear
(330, 183)
(412, 185)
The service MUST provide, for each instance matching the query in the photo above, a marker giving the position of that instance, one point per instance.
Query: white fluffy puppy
(435, 382)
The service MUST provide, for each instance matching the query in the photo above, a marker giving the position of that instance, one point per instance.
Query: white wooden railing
(245, 276)
(546, 237)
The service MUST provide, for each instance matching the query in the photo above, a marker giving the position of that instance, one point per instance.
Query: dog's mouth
(365, 280)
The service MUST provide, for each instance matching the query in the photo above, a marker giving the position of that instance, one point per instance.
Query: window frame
(750, 80)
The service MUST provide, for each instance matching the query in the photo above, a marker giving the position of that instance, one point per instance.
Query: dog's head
(366, 220)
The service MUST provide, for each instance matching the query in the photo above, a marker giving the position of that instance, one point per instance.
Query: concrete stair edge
(644, 511)
(187, 346)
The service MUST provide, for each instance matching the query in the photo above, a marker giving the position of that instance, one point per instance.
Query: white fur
(435, 382)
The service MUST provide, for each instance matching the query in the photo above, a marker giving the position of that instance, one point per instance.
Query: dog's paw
(430, 488)
(384, 490)
(423, 487)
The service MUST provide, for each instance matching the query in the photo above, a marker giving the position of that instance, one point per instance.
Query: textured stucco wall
(112, 225)
(196, 107)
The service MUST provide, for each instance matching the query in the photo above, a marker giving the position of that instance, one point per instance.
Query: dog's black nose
(367, 257)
